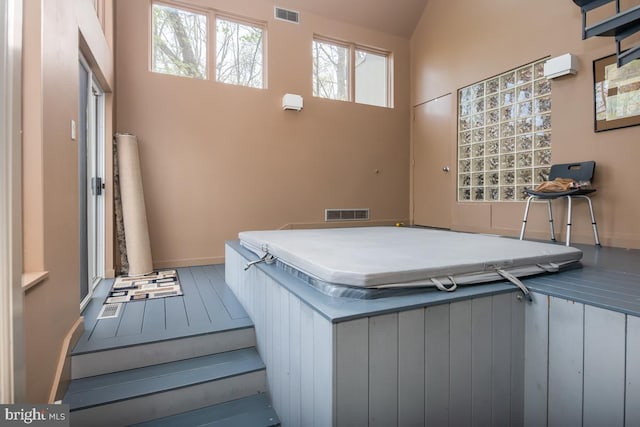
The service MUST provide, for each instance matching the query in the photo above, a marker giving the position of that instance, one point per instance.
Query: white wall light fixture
(561, 66)
(291, 102)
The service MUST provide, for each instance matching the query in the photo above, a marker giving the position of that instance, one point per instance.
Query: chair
(582, 171)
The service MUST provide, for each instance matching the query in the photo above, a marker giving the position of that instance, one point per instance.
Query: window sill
(33, 278)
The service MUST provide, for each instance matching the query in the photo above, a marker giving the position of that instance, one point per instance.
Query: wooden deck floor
(207, 306)
(609, 279)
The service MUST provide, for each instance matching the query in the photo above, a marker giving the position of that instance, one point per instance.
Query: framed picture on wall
(616, 94)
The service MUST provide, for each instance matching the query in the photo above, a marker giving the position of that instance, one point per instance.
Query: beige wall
(458, 43)
(218, 159)
(50, 168)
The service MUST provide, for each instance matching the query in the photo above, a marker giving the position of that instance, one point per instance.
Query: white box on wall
(561, 66)
(291, 102)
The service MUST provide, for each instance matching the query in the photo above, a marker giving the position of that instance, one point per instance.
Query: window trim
(179, 5)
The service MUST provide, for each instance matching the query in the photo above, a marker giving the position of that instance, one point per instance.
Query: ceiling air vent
(287, 15)
(346, 214)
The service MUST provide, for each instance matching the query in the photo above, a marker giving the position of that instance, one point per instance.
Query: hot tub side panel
(451, 364)
(434, 365)
(294, 341)
(581, 364)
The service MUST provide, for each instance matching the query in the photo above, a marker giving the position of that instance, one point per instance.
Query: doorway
(434, 171)
(91, 172)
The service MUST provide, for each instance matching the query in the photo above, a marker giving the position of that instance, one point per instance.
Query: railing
(620, 26)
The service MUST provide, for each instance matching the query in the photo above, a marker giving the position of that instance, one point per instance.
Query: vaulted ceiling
(398, 17)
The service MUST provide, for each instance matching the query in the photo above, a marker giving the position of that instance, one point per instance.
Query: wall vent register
(346, 214)
(287, 15)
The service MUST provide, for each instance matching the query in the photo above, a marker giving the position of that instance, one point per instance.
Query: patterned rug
(159, 284)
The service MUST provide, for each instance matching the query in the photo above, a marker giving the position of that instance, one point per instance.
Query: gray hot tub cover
(390, 257)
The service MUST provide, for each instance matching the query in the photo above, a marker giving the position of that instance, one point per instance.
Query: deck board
(154, 316)
(228, 299)
(131, 319)
(207, 306)
(613, 290)
(118, 386)
(92, 309)
(254, 410)
(106, 328)
(215, 309)
(194, 306)
(176, 314)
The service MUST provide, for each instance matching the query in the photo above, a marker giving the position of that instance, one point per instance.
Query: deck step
(114, 359)
(141, 394)
(255, 411)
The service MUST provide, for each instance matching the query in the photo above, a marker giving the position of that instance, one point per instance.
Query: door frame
(450, 162)
(97, 111)
(92, 256)
(12, 383)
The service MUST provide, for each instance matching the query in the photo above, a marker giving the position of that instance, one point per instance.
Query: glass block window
(504, 135)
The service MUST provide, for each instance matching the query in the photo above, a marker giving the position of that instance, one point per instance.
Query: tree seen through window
(179, 42)
(330, 70)
(239, 53)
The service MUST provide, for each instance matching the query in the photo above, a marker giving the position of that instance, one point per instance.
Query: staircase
(214, 378)
(227, 387)
(620, 26)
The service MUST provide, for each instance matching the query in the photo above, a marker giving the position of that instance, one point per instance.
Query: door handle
(97, 185)
(446, 169)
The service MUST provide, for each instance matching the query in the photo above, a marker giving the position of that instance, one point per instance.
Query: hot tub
(417, 358)
(374, 262)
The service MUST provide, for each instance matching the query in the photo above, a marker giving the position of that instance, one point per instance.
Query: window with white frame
(239, 53)
(179, 41)
(504, 135)
(333, 74)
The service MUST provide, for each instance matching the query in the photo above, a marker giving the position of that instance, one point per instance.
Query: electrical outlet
(73, 130)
